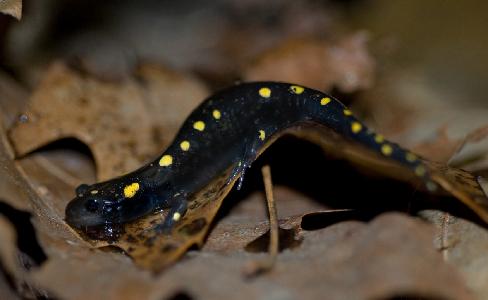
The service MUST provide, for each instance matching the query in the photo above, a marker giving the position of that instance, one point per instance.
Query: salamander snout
(85, 212)
(90, 208)
(110, 203)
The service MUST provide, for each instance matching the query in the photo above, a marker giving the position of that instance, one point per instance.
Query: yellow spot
(420, 170)
(94, 192)
(324, 101)
(265, 92)
(379, 138)
(185, 145)
(176, 216)
(296, 89)
(410, 157)
(166, 160)
(216, 114)
(386, 149)
(262, 135)
(131, 189)
(347, 112)
(199, 125)
(356, 127)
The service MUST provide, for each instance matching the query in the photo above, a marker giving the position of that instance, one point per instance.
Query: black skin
(231, 140)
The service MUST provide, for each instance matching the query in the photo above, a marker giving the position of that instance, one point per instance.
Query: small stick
(261, 266)
(274, 242)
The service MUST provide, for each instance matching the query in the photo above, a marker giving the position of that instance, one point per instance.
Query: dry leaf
(11, 7)
(318, 64)
(390, 256)
(118, 277)
(463, 244)
(143, 241)
(102, 115)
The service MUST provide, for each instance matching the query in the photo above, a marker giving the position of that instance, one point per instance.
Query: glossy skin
(228, 129)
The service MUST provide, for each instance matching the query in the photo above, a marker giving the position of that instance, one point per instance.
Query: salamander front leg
(239, 170)
(243, 164)
(176, 212)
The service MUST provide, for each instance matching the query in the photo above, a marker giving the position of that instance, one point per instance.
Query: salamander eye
(91, 205)
(81, 189)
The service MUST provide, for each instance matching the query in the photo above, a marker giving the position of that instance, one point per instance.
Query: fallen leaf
(435, 123)
(169, 98)
(12, 7)
(67, 105)
(390, 257)
(102, 114)
(346, 65)
(13, 99)
(463, 244)
(8, 251)
(49, 190)
(143, 241)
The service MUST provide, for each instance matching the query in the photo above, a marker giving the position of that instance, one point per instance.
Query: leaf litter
(66, 251)
(379, 257)
(448, 131)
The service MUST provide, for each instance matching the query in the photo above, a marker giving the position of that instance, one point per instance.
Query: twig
(273, 214)
(261, 266)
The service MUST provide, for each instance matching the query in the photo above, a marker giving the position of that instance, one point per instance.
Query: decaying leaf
(11, 7)
(13, 100)
(464, 245)
(66, 105)
(80, 112)
(152, 250)
(318, 64)
(327, 252)
(390, 257)
(142, 240)
(469, 149)
(102, 114)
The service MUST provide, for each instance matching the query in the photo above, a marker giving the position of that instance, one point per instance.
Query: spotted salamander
(228, 130)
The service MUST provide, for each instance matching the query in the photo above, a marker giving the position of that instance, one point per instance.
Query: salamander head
(107, 203)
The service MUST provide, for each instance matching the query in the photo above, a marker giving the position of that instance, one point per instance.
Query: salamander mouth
(89, 224)
(107, 232)
(78, 217)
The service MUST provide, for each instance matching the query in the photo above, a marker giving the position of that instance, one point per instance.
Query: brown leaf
(391, 256)
(13, 99)
(118, 277)
(12, 7)
(102, 115)
(441, 148)
(169, 98)
(455, 182)
(97, 113)
(463, 244)
(374, 261)
(8, 261)
(154, 250)
(454, 150)
(473, 151)
(318, 64)
(144, 242)
(19, 194)
(8, 250)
